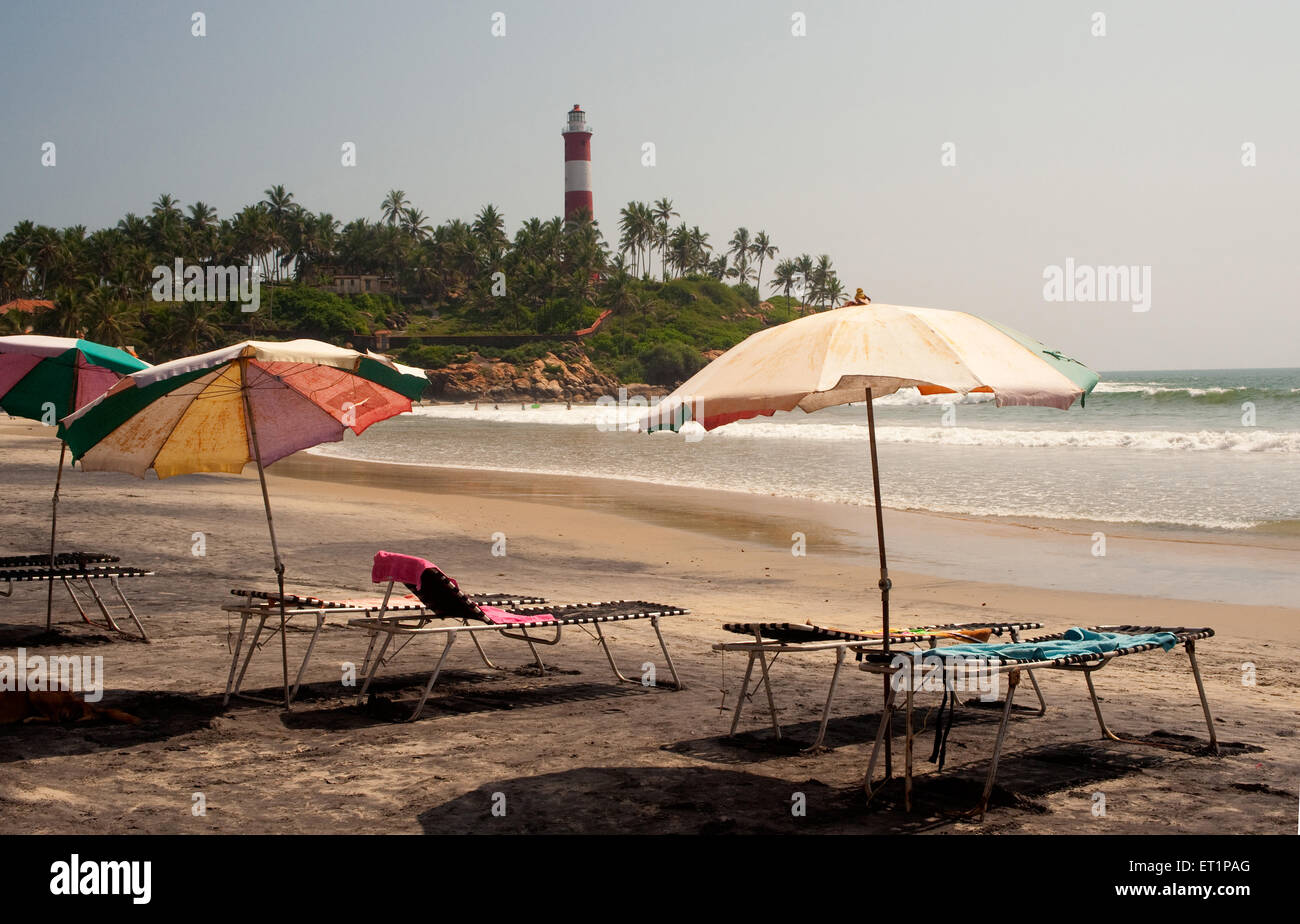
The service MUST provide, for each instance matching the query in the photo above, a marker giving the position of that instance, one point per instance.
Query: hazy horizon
(1117, 150)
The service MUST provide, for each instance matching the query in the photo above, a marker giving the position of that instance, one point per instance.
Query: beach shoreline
(579, 752)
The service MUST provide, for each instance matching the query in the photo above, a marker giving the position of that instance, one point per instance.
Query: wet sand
(574, 751)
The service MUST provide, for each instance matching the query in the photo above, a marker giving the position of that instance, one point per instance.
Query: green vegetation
(670, 297)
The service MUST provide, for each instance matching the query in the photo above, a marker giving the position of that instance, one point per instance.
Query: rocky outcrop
(550, 378)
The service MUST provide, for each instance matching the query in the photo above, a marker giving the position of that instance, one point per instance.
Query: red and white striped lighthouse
(577, 164)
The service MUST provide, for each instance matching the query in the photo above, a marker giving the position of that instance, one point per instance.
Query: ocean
(1199, 449)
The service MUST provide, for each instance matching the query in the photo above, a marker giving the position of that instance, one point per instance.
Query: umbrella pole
(275, 548)
(54, 524)
(884, 583)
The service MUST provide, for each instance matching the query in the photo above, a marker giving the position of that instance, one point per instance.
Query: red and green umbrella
(254, 402)
(46, 379)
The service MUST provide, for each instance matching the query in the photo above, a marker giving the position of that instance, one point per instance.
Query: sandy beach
(575, 752)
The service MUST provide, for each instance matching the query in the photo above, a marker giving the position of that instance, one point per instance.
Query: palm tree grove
(649, 309)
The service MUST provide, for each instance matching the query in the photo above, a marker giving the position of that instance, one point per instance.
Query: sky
(1122, 149)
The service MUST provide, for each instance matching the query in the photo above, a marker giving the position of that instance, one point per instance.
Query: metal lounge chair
(70, 568)
(773, 639)
(263, 606)
(995, 660)
(456, 613)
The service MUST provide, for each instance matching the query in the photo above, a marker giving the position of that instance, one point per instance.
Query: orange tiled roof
(29, 305)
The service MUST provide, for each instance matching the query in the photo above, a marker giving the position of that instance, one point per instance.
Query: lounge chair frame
(71, 567)
(412, 625)
(1087, 664)
(841, 642)
(264, 606)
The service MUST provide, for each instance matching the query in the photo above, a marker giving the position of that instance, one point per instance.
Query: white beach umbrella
(864, 352)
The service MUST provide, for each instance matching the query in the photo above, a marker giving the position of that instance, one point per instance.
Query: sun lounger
(772, 639)
(1082, 650)
(264, 606)
(452, 613)
(69, 568)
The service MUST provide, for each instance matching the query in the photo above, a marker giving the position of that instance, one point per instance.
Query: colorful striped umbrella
(253, 402)
(867, 351)
(47, 378)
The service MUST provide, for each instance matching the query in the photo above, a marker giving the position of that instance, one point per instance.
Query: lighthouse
(577, 164)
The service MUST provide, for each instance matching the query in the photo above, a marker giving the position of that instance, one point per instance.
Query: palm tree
(47, 251)
(393, 205)
(783, 280)
(201, 227)
(803, 267)
(664, 214)
(739, 248)
(416, 224)
(278, 202)
(700, 248)
(280, 209)
(763, 249)
(191, 330)
(834, 290)
(165, 226)
(822, 276)
(107, 319)
(639, 233)
(490, 228)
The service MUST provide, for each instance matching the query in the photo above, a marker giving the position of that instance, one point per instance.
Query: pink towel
(494, 614)
(390, 566)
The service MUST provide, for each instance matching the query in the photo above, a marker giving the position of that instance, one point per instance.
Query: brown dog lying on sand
(54, 706)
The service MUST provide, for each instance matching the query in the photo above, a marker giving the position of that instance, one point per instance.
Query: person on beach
(861, 298)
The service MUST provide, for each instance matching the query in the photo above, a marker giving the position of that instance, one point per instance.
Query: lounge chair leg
(374, 667)
(826, 709)
(370, 649)
(907, 754)
(609, 656)
(541, 668)
(103, 608)
(886, 717)
(744, 691)
(473, 637)
(1096, 706)
(130, 609)
(672, 669)
(766, 680)
(433, 678)
(306, 659)
(1205, 703)
(252, 649)
(76, 601)
(1042, 703)
(234, 660)
(1013, 680)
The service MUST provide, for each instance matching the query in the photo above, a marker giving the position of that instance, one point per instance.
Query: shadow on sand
(709, 800)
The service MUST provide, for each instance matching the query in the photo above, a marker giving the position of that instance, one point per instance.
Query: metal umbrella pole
(270, 525)
(54, 524)
(884, 583)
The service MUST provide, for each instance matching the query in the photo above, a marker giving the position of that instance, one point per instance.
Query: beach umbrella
(252, 402)
(47, 378)
(863, 352)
